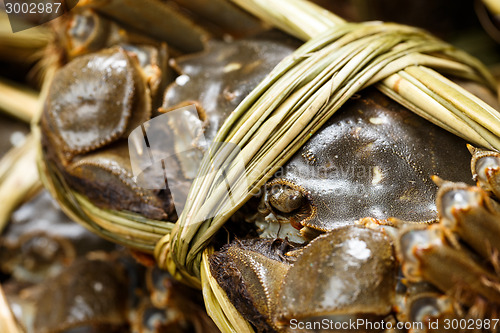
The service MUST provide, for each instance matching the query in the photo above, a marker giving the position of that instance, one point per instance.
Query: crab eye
(286, 199)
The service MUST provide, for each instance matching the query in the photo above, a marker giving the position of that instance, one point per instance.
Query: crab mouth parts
(285, 202)
(296, 219)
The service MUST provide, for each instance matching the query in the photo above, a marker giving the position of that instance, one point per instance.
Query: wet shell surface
(82, 89)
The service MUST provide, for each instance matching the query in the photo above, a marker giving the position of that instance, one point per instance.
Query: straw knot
(298, 97)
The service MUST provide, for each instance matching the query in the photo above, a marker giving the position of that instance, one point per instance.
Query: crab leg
(251, 278)
(485, 167)
(168, 23)
(430, 308)
(428, 255)
(471, 214)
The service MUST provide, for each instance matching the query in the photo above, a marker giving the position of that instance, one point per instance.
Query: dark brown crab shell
(108, 80)
(106, 178)
(84, 126)
(222, 76)
(374, 159)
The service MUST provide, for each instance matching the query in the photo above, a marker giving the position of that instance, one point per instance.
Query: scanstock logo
(167, 151)
(25, 14)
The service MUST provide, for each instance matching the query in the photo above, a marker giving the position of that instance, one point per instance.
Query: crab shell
(74, 109)
(215, 82)
(218, 79)
(269, 291)
(93, 104)
(373, 158)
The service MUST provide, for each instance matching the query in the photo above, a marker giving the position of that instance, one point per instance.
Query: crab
(90, 148)
(372, 159)
(448, 278)
(89, 142)
(356, 197)
(59, 276)
(353, 193)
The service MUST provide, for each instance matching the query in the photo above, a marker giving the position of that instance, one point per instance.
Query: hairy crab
(344, 203)
(383, 171)
(60, 277)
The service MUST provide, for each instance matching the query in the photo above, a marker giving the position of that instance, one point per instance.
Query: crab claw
(347, 274)
(251, 273)
(351, 274)
(485, 167)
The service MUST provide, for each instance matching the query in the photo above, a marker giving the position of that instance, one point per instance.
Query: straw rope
(298, 97)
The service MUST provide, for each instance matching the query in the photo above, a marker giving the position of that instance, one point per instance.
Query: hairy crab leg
(428, 256)
(471, 214)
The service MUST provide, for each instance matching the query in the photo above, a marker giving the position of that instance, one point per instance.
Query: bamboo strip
(19, 102)
(289, 11)
(8, 323)
(229, 319)
(19, 179)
